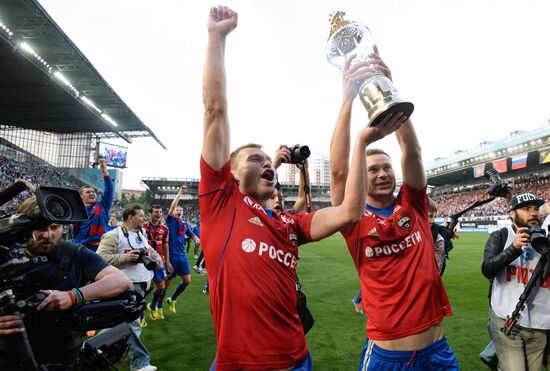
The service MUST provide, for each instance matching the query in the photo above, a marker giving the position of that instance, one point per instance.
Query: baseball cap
(524, 199)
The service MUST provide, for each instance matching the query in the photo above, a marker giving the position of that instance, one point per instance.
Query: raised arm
(215, 146)
(352, 77)
(176, 200)
(108, 189)
(300, 203)
(411, 156)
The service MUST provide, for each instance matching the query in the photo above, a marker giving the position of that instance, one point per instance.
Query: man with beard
(53, 342)
(178, 230)
(508, 261)
(89, 232)
(392, 247)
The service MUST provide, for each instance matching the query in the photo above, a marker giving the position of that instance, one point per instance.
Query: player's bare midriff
(413, 342)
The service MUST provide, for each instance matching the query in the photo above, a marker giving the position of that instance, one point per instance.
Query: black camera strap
(127, 235)
(64, 255)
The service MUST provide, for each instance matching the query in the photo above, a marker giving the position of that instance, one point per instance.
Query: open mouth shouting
(269, 176)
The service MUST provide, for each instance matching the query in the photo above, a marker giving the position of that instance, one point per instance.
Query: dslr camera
(499, 188)
(144, 259)
(298, 154)
(539, 240)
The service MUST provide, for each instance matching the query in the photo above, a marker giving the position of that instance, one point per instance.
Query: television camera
(61, 206)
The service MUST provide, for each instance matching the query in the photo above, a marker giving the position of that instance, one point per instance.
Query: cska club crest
(404, 222)
(293, 238)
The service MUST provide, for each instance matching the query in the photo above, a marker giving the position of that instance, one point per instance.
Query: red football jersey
(157, 236)
(251, 261)
(402, 291)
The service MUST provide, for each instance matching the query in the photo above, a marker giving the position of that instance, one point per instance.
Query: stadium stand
(55, 107)
(521, 158)
(163, 190)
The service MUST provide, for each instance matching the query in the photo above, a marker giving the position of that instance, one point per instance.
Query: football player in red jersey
(391, 246)
(158, 238)
(251, 255)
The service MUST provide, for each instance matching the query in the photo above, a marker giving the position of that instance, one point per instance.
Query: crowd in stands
(451, 202)
(36, 173)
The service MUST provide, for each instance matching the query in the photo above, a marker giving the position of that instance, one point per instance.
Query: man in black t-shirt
(52, 341)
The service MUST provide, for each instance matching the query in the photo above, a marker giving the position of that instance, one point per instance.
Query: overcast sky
(475, 70)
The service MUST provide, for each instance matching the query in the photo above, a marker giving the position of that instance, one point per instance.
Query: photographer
(508, 261)
(126, 247)
(63, 279)
(284, 154)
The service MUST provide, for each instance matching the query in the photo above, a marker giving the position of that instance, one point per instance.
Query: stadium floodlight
(61, 78)
(91, 104)
(26, 47)
(539, 140)
(107, 118)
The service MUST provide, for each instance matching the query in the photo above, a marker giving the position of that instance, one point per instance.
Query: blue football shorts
(436, 356)
(160, 275)
(180, 263)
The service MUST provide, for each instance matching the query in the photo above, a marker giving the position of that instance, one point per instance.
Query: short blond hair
(233, 156)
(81, 189)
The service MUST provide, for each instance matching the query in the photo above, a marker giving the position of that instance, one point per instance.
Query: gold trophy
(377, 91)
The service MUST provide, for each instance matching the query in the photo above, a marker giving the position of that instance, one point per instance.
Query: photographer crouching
(62, 280)
(126, 247)
(519, 318)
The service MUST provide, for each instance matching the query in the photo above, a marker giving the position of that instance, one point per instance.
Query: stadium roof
(47, 84)
(515, 140)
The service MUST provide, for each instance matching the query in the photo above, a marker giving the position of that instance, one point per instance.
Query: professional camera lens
(493, 176)
(539, 240)
(299, 154)
(58, 207)
(499, 187)
(149, 263)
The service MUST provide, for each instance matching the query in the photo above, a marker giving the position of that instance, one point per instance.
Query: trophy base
(406, 107)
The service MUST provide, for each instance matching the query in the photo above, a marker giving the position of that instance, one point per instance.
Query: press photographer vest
(128, 240)
(510, 283)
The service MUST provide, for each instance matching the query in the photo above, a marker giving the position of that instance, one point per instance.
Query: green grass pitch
(186, 341)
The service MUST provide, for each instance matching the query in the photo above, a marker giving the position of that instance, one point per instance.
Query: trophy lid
(345, 38)
(337, 21)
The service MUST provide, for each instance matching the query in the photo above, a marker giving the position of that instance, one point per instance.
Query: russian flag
(519, 162)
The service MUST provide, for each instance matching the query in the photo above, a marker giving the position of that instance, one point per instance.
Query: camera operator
(126, 247)
(508, 261)
(63, 279)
